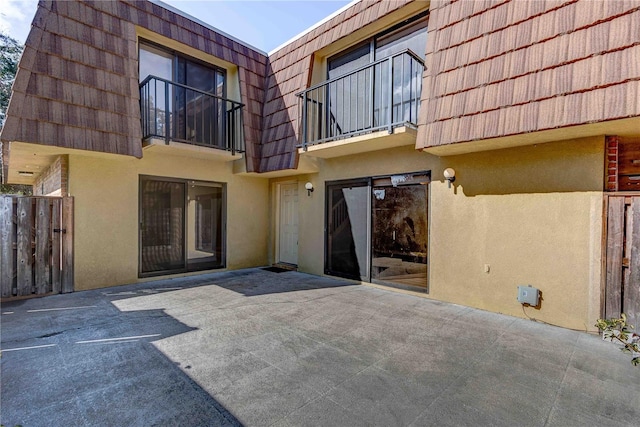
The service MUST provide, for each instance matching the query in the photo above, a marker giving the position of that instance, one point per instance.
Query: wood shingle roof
(77, 84)
(289, 72)
(494, 68)
(503, 67)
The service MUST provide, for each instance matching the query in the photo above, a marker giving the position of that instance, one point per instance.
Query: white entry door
(288, 224)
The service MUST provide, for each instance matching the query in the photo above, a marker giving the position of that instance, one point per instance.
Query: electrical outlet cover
(528, 295)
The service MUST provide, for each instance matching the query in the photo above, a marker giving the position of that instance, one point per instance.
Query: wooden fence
(36, 246)
(622, 259)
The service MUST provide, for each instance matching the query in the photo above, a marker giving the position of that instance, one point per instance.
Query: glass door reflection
(161, 225)
(377, 230)
(182, 225)
(205, 226)
(348, 230)
(399, 234)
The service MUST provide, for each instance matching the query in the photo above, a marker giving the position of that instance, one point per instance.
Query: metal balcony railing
(382, 95)
(176, 112)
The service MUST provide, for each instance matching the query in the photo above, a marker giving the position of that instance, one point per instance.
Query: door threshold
(285, 266)
(401, 286)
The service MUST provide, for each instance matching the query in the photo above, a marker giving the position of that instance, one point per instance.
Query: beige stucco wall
(532, 214)
(106, 213)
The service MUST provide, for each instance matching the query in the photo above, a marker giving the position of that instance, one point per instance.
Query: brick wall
(53, 181)
(613, 143)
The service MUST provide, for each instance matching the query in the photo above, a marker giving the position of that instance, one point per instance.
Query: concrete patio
(259, 348)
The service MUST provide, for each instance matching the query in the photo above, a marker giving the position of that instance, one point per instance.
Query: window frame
(372, 41)
(176, 56)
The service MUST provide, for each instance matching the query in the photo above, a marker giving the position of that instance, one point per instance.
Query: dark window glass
(200, 118)
(377, 230)
(197, 75)
(347, 230)
(346, 62)
(181, 225)
(162, 225)
(399, 234)
(412, 37)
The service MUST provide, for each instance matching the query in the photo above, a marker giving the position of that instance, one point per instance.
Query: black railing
(175, 112)
(382, 95)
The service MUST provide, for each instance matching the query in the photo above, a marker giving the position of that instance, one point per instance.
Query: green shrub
(620, 331)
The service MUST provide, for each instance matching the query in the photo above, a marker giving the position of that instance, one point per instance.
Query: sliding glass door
(185, 97)
(205, 225)
(360, 97)
(161, 225)
(182, 226)
(200, 118)
(348, 230)
(377, 230)
(399, 233)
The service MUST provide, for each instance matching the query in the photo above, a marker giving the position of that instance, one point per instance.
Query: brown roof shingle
(288, 73)
(550, 64)
(78, 75)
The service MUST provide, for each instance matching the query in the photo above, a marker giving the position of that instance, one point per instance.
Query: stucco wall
(106, 213)
(532, 214)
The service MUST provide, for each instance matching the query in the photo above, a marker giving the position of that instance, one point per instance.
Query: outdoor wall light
(449, 175)
(309, 187)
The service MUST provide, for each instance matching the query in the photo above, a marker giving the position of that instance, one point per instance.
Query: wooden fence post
(42, 257)
(615, 226)
(67, 245)
(632, 285)
(25, 250)
(56, 242)
(6, 246)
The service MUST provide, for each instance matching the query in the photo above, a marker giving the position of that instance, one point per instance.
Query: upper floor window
(371, 86)
(181, 69)
(409, 35)
(184, 99)
(412, 36)
(155, 62)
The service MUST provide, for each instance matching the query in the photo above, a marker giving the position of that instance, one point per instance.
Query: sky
(265, 24)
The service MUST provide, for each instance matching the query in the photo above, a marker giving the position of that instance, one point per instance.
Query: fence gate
(622, 283)
(36, 246)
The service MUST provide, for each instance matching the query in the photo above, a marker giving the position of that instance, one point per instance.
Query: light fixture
(449, 175)
(25, 173)
(309, 187)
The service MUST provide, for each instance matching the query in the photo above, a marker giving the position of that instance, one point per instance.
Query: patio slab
(253, 347)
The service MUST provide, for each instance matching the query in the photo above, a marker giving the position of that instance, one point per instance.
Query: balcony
(189, 119)
(373, 107)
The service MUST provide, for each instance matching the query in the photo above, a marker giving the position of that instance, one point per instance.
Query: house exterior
(187, 150)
